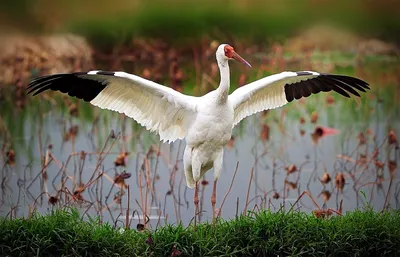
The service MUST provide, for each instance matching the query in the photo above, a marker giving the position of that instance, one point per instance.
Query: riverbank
(358, 233)
(322, 48)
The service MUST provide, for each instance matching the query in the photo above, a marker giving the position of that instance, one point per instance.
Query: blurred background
(57, 151)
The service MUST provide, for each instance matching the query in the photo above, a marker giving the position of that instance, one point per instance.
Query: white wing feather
(158, 108)
(263, 94)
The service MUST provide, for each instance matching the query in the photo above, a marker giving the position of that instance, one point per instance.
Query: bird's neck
(223, 88)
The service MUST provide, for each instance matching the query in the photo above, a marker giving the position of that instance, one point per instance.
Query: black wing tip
(40, 81)
(304, 73)
(366, 85)
(341, 84)
(74, 84)
(106, 73)
(40, 84)
(354, 80)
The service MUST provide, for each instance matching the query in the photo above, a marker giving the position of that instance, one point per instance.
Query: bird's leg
(217, 172)
(214, 199)
(196, 203)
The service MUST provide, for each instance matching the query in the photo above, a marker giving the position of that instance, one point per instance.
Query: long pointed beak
(240, 59)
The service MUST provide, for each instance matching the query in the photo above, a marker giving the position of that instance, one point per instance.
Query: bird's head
(226, 52)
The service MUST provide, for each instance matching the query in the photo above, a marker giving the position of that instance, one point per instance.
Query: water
(157, 184)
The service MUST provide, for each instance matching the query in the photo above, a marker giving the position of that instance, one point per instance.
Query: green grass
(63, 233)
(181, 22)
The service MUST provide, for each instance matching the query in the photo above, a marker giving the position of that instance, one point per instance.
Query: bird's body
(205, 122)
(209, 133)
(211, 130)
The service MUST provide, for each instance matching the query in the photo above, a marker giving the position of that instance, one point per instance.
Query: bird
(205, 122)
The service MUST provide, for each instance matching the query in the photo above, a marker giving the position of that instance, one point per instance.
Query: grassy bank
(359, 233)
(179, 21)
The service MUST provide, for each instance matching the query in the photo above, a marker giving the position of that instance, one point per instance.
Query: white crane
(205, 122)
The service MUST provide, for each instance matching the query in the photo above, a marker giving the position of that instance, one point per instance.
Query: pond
(58, 152)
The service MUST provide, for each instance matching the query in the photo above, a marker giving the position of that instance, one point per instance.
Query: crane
(205, 122)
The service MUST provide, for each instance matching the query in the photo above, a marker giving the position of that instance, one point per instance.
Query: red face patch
(229, 51)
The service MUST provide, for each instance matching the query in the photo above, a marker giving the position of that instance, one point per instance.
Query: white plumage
(158, 108)
(205, 122)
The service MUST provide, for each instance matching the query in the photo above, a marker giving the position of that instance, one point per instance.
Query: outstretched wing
(279, 89)
(158, 108)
